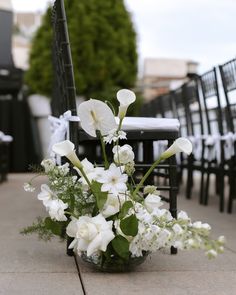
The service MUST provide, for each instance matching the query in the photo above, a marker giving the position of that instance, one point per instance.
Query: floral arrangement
(106, 214)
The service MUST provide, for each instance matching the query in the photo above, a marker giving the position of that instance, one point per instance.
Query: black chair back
(193, 107)
(228, 76)
(65, 91)
(212, 104)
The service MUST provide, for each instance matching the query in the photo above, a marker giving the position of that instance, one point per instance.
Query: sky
(199, 30)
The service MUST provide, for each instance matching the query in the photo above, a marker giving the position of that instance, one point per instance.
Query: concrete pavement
(32, 267)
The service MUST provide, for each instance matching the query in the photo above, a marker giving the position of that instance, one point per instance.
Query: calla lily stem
(99, 135)
(146, 175)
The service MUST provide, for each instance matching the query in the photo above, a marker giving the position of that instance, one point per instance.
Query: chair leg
(201, 197)
(221, 189)
(189, 178)
(206, 191)
(231, 192)
(69, 252)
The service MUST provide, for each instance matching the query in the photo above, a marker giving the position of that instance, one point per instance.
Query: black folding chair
(66, 101)
(228, 76)
(214, 126)
(4, 160)
(195, 131)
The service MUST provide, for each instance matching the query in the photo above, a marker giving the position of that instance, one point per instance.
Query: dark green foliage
(46, 229)
(125, 208)
(101, 197)
(38, 227)
(121, 246)
(103, 44)
(129, 225)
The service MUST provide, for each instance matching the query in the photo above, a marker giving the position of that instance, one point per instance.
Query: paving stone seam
(231, 250)
(160, 271)
(80, 275)
(36, 272)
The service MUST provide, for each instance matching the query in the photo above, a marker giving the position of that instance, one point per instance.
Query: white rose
(92, 234)
(56, 210)
(152, 201)
(123, 154)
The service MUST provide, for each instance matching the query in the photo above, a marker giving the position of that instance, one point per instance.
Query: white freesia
(67, 149)
(123, 154)
(28, 187)
(113, 204)
(152, 201)
(46, 195)
(183, 215)
(92, 173)
(211, 254)
(177, 229)
(56, 210)
(96, 115)
(113, 180)
(91, 234)
(222, 240)
(180, 145)
(162, 214)
(125, 98)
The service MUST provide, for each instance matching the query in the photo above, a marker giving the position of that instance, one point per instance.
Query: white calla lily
(125, 98)
(67, 149)
(180, 145)
(96, 115)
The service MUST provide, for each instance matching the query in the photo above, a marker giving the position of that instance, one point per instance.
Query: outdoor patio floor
(32, 267)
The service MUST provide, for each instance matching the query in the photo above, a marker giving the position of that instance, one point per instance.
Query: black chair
(11, 79)
(4, 160)
(195, 131)
(65, 83)
(214, 127)
(228, 76)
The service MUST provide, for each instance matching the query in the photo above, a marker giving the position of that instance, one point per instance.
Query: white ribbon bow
(5, 138)
(60, 128)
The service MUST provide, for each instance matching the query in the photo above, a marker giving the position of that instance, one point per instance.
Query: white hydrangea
(48, 164)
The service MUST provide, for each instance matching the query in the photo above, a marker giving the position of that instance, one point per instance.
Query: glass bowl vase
(113, 264)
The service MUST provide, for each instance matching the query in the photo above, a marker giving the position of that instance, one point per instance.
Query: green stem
(85, 177)
(87, 180)
(99, 135)
(40, 174)
(146, 175)
(120, 124)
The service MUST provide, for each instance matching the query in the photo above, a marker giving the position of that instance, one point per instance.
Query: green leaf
(121, 246)
(101, 197)
(129, 225)
(125, 208)
(56, 227)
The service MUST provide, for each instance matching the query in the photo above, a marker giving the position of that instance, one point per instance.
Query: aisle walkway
(32, 267)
